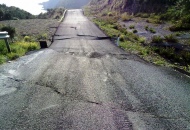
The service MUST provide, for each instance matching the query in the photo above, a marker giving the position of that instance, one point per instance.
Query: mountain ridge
(69, 4)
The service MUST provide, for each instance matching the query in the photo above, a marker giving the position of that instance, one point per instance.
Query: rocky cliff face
(69, 4)
(132, 6)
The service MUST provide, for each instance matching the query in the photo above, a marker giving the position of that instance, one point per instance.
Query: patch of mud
(94, 55)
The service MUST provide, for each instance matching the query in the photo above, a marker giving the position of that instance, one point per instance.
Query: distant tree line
(13, 13)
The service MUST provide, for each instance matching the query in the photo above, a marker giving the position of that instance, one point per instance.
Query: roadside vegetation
(26, 30)
(163, 50)
(131, 42)
(19, 47)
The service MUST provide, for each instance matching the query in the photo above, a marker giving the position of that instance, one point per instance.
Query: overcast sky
(31, 6)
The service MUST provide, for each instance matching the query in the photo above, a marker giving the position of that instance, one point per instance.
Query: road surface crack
(79, 36)
(16, 80)
(56, 90)
(93, 102)
(51, 87)
(102, 55)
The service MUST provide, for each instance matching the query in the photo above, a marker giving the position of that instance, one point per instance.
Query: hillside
(10, 13)
(132, 6)
(176, 11)
(70, 4)
(157, 31)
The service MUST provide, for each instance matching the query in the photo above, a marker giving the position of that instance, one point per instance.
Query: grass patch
(110, 29)
(171, 38)
(132, 27)
(122, 38)
(135, 48)
(157, 39)
(142, 15)
(2, 59)
(147, 28)
(125, 17)
(152, 30)
(142, 39)
(17, 49)
(180, 26)
(182, 57)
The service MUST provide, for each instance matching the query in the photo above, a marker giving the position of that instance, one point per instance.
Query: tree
(9, 13)
(1, 14)
(183, 6)
(7, 16)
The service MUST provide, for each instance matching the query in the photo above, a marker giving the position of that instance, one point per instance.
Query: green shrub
(157, 39)
(132, 37)
(171, 38)
(186, 19)
(117, 26)
(142, 15)
(122, 38)
(167, 52)
(159, 62)
(3, 48)
(110, 14)
(43, 36)
(152, 30)
(146, 28)
(132, 27)
(154, 20)
(33, 46)
(20, 50)
(27, 39)
(135, 31)
(180, 26)
(125, 17)
(142, 39)
(2, 59)
(177, 34)
(12, 56)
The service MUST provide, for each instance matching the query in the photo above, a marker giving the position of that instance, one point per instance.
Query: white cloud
(31, 6)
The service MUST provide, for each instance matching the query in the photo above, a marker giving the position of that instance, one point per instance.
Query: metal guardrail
(4, 35)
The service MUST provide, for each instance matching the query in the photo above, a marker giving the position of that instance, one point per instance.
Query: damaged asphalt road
(82, 83)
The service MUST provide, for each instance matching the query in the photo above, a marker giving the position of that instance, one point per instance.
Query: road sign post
(5, 36)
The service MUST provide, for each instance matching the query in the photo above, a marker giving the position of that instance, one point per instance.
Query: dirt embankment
(33, 27)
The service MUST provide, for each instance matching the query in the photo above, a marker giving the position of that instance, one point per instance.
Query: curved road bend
(85, 83)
